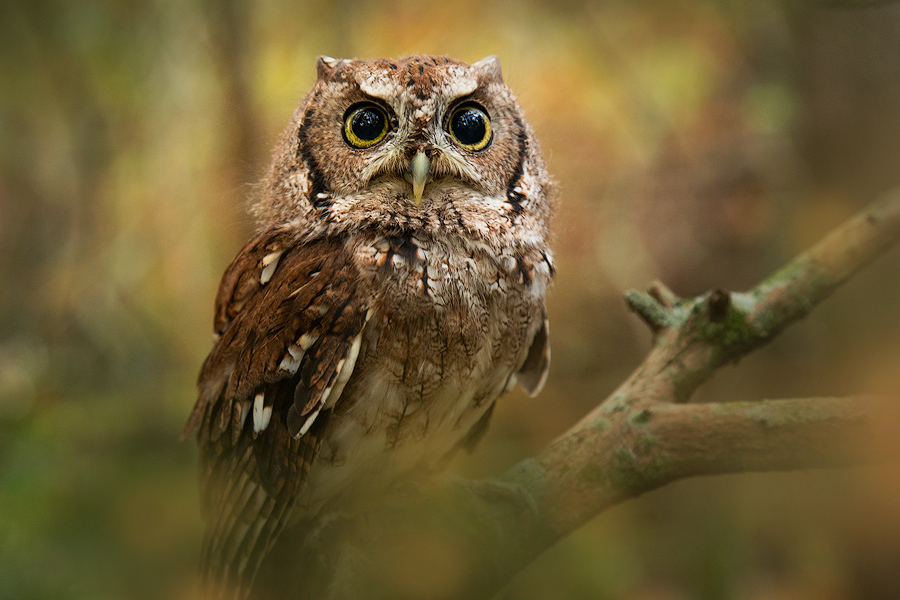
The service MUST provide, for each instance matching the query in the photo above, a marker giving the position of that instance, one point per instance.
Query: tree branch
(644, 435)
(639, 438)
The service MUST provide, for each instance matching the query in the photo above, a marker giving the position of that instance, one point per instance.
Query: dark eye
(365, 125)
(470, 127)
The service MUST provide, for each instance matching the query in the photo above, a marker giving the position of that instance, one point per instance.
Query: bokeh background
(699, 142)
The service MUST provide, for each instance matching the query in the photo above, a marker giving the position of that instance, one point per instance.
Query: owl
(394, 291)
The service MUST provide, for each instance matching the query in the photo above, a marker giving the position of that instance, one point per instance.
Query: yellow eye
(470, 127)
(365, 125)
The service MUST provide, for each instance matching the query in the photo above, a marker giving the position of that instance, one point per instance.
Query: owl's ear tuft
(326, 66)
(489, 67)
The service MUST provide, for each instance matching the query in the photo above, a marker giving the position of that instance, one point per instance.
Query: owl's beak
(419, 167)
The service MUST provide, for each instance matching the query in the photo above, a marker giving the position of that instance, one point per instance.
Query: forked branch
(642, 436)
(645, 434)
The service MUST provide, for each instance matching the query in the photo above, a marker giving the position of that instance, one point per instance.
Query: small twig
(661, 292)
(649, 309)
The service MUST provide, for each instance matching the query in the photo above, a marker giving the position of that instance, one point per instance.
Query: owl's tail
(247, 522)
(253, 494)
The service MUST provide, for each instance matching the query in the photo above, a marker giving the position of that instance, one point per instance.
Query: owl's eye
(470, 127)
(365, 125)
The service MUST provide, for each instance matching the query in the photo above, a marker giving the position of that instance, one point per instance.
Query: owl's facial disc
(418, 132)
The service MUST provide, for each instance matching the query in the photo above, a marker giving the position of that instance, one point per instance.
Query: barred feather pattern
(368, 329)
(281, 339)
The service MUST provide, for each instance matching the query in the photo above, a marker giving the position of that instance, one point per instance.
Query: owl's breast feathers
(472, 305)
(320, 343)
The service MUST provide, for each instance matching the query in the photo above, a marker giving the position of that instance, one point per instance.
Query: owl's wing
(533, 373)
(289, 320)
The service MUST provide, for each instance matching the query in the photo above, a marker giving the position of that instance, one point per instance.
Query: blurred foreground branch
(469, 539)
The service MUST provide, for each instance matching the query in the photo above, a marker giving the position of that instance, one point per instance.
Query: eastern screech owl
(394, 291)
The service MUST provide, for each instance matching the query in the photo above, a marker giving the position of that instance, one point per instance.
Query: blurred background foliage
(699, 142)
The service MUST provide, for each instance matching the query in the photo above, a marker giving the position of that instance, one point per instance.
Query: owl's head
(406, 142)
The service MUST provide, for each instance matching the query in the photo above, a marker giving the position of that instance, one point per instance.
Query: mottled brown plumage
(394, 292)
